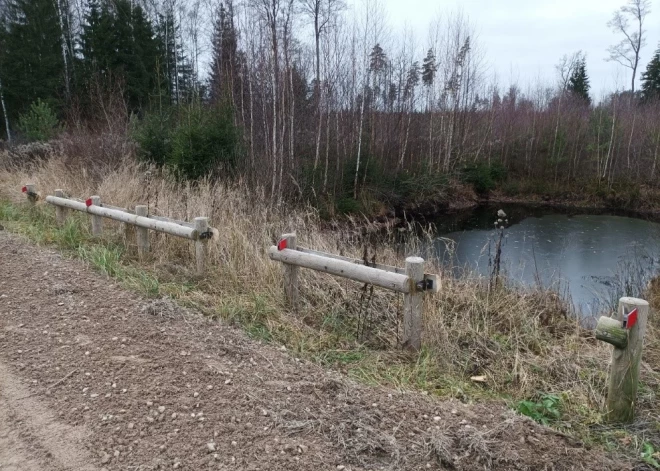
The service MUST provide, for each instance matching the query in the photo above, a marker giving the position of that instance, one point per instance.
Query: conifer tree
(225, 64)
(96, 45)
(429, 68)
(31, 65)
(651, 78)
(118, 43)
(176, 73)
(578, 84)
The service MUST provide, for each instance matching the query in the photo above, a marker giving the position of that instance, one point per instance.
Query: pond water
(590, 259)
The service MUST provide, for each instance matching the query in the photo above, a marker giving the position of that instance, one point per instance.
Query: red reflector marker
(24, 189)
(281, 245)
(88, 202)
(630, 319)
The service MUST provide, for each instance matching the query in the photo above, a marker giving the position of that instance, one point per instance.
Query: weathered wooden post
(127, 232)
(97, 221)
(142, 232)
(31, 191)
(626, 333)
(288, 241)
(60, 212)
(412, 305)
(201, 244)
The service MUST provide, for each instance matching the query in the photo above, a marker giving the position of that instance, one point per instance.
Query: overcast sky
(524, 39)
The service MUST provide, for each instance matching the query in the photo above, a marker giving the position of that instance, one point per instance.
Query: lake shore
(640, 201)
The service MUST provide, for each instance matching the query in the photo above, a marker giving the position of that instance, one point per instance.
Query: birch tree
(628, 21)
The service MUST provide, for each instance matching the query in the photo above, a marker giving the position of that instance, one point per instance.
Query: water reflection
(588, 258)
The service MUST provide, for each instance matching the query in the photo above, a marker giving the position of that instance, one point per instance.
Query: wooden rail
(146, 222)
(199, 231)
(411, 281)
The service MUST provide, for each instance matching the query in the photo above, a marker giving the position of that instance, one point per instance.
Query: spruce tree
(175, 71)
(96, 40)
(429, 68)
(32, 66)
(119, 45)
(225, 64)
(651, 78)
(578, 84)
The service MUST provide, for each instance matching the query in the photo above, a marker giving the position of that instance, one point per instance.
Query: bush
(40, 123)
(153, 134)
(483, 177)
(348, 206)
(196, 143)
(204, 140)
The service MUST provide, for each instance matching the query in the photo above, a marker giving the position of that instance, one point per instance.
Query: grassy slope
(531, 355)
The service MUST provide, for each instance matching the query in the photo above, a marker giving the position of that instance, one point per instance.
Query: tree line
(310, 99)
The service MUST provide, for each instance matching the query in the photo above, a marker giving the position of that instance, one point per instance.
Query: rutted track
(95, 377)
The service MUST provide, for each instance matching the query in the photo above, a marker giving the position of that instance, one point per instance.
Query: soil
(93, 377)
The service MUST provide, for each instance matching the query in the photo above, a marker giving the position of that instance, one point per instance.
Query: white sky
(524, 39)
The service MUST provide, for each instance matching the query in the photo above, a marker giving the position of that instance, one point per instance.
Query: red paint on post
(24, 189)
(88, 202)
(281, 245)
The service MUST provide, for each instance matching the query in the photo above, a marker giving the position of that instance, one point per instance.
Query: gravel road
(93, 377)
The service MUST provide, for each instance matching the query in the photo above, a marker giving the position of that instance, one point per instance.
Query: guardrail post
(412, 305)
(291, 275)
(31, 190)
(626, 333)
(97, 221)
(142, 232)
(201, 244)
(60, 212)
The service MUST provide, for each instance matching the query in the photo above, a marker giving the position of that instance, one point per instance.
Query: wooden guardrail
(411, 281)
(199, 231)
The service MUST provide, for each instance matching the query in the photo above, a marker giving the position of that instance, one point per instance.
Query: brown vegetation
(522, 341)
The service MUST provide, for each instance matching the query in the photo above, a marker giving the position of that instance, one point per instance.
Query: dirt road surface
(93, 377)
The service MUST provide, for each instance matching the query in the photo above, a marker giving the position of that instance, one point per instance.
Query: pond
(590, 259)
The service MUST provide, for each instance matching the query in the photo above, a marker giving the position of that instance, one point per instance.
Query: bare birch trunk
(359, 152)
(632, 132)
(6, 114)
(67, 81)
(327, 150)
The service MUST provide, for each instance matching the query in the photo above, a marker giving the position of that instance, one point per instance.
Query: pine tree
(651, 78)
(578, 84)
(32, 66)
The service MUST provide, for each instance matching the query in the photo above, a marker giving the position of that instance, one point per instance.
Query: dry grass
(521, 341)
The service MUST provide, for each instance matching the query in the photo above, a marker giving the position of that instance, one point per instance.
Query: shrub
(348, 206)
(194, 140)
(483, 177)
(153, 135)
(40, 123)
